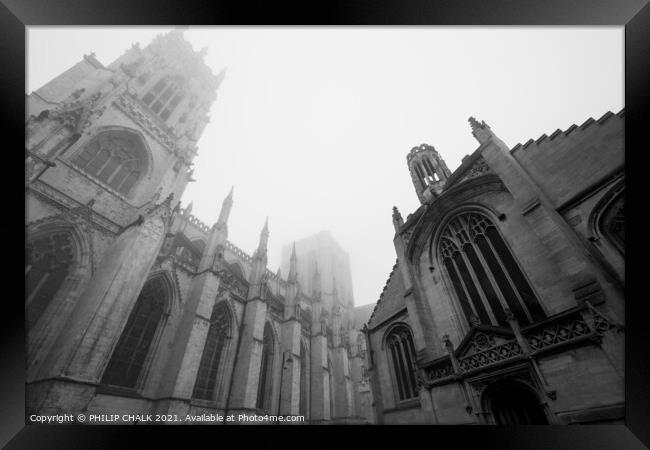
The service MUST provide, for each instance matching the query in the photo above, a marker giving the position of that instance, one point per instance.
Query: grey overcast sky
(312, 125)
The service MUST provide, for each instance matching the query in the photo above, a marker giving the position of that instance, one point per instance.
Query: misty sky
(312, 124)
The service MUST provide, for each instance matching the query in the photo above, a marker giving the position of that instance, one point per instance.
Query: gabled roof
(391, 299)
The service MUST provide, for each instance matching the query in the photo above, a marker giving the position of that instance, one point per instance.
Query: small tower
(428, 171)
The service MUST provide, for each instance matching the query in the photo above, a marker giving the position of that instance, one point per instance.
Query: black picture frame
(15, 15)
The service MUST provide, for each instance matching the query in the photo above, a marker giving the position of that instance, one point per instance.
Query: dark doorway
(512, 403)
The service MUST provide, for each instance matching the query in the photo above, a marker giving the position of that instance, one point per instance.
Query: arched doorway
(513, 403)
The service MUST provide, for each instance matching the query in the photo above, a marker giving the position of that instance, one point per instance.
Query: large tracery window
(49, 260)
(147, 318)
(485, 275)
(116, 158)
(612, 223)
(164, 96)
(213, 352)
(303, 380)
(399, 344)
(265, 381)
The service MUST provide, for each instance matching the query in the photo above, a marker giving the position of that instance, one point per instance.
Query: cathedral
(506, 301)
(135, 306)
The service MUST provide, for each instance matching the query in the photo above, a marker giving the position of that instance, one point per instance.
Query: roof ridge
(381, 295)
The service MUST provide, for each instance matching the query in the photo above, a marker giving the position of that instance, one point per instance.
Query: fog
(312, 124)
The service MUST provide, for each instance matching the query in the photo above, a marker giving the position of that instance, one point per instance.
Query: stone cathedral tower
(109, 151)
(133, 305)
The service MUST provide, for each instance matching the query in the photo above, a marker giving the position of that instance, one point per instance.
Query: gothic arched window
(265, 382)
(401, 351)
(612, 222)
(49, 260)
(146, 319)
(115, 157)
(164, 96)
(213, 352)
(304, 392)
(485, 275)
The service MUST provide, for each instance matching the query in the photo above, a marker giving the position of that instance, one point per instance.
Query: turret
(428, 171)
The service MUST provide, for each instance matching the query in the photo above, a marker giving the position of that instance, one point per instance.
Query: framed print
(370, 219)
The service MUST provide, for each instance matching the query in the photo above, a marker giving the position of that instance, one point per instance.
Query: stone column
(249, 358)
(190, 340)
(340, 361)
(291, 331)
(319, 402)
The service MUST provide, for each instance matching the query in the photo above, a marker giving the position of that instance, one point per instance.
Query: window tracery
(399, 345)
(265, 381)
(164, 97)
(213, 353)
(49, 260)
(135, 344)
(115, 158)
(484, 274)
(612, 223)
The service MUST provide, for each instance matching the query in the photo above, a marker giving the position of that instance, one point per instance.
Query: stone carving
(566, 330)
(439, 371)
(490, 355)
(479, 168)
(146, 120)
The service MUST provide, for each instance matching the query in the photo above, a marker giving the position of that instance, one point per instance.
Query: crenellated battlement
(559, 134)
(239, 252)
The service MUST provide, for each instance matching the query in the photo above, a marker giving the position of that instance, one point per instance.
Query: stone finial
(293, 265)
(264, 240)
(474, 123)
(188, 209)
(481, 131)
(220, 77)
(226, 206)
(474, 320)
(396, 214)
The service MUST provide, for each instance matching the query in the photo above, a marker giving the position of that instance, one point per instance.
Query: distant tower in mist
(321, 250)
